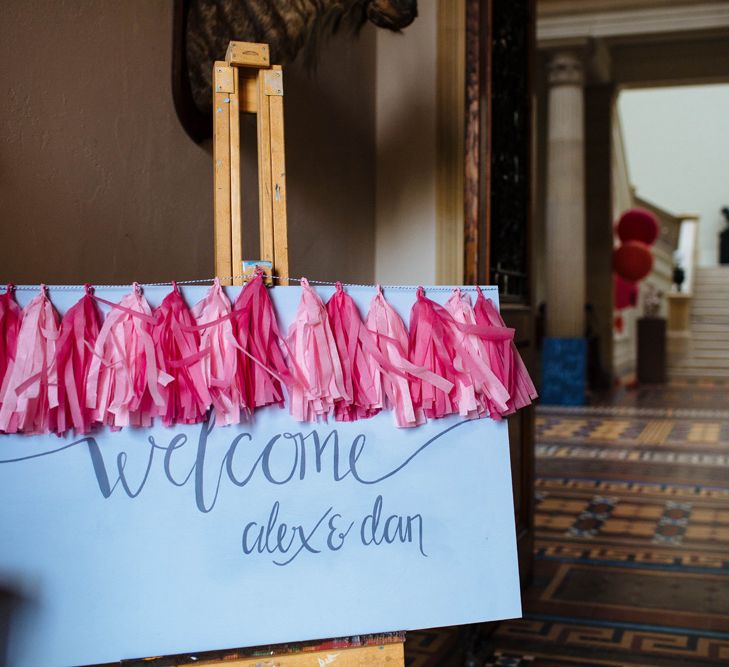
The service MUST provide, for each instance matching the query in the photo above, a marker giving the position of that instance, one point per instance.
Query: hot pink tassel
(479, 390)
(315, 354)
(355, 345)
(262, 368)
(30, 401)
(506, 360)
(10, 317)
(177, 343)
(74, 352)
(213, 316)
(124, 384)
(429, 343)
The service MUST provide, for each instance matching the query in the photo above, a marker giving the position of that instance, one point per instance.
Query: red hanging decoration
(316, 359)
(10, 317)
(638, 224)
(355, 345)
(262, 369)
(74, 352)
(632, 261)
(186, 398)
(625, 294)
(30, 400)
(505, 358)
(124, 383)
(213, 316)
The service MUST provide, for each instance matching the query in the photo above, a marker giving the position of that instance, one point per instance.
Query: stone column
(564, 355)
(565, 198)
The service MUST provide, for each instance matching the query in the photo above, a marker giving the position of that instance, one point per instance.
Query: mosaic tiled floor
(632, 539)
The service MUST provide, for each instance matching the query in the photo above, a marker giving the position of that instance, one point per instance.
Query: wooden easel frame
(246, 82)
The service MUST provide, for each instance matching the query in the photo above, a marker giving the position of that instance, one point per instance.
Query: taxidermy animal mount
(203, 29)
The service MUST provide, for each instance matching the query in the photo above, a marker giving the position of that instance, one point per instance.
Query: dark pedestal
(651, 350)
(724, 247)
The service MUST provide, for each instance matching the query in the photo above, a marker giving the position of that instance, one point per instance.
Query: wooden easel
(246, 82)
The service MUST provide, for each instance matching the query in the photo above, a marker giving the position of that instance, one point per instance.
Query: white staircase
(708, 350)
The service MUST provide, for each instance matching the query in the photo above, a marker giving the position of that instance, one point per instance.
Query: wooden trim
(477, 190)
(450, 141)
(471, 194)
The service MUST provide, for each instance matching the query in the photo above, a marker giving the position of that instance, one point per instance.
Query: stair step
(683, 373)
(711, 355)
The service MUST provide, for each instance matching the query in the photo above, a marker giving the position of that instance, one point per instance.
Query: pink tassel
(30, 400)
(479, 390)
(430, 340)
(123, 387)
(355, 345)
(177, 342)
(505, 358)
(213, 316)
(74, 352)
(314, 352)
(389, 373)
(10, 318)
(262, 366)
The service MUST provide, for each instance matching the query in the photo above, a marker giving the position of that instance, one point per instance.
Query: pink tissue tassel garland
(30, 396)
(352, 338)
(262, 368)
(10, 317)
(123, 385)
(177, 343)
(505, 355)
(314, 353)
(479, 390)
(213, 316)
(74, 352)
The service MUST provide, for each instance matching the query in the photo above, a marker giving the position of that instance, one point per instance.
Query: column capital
(565, 67)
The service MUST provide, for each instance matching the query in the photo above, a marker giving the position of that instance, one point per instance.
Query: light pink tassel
(355, 345)
(393, 389)
(74, 352)
(217, 338)
(30, 401)
(479, 390)
(315, 355)
(10, 317)
(177, 343)
(513, 372)
(123, 387)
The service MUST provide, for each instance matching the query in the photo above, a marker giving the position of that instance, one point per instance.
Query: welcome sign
(191, 538)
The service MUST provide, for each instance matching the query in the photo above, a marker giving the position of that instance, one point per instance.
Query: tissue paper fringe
(179, 365)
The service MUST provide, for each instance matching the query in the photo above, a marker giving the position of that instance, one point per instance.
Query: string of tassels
(175, 364)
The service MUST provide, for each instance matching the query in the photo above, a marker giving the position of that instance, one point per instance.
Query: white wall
(405, 228)
(677, 143)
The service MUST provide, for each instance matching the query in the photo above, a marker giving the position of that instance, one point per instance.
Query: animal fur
(287, 26)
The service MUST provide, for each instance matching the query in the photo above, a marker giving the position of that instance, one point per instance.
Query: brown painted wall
(98, 181)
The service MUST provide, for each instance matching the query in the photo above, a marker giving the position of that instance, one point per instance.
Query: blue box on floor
(564, 362)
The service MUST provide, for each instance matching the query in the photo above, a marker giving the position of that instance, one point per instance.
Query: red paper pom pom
(638, 224)
(632, 261)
